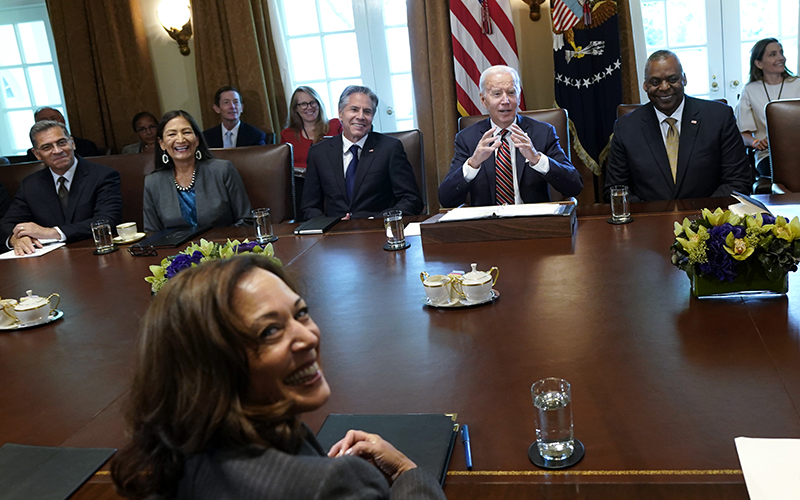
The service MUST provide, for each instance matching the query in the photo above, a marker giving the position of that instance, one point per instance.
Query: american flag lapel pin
(371, 150)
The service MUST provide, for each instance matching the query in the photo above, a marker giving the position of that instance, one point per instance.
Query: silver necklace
(191, 184)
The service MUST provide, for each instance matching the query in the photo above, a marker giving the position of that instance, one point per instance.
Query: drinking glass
(263, 225)
(101, 232)
(552, 398)
(619, 204)
(393, 222)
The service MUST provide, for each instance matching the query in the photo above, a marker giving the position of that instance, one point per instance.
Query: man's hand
(486, 146)
(524, 145)
(374, 449)
(24, 245)
(34, 231)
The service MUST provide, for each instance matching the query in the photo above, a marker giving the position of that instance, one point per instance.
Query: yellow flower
(738, 247)
(718, 217)
(786, 231)
(682, 228)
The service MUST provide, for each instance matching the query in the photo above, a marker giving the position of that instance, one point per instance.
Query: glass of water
(263, 224)
(619, 204)
(552, 398)
(393, 223)
(101, 232)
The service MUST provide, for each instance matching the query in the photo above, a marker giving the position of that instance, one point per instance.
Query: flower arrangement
(722, 246)
(196, 254)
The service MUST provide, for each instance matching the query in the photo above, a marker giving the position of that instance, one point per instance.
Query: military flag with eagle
(588, 75)
(483, 35)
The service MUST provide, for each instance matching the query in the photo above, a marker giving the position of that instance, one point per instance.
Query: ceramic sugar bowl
(477, 285)
(31, 308)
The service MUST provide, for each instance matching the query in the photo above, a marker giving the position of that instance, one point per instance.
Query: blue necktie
(350, 176)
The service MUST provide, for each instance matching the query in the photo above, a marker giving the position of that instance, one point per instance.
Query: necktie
(350, 176)
(673, 138)
(504, 173)
(227, 143)
(63, 193)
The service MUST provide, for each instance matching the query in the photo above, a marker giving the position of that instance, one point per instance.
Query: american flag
(565, 14)
(483, 36)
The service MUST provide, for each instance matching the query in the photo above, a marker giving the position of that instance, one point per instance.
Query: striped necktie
(673, 139)
(504, 173)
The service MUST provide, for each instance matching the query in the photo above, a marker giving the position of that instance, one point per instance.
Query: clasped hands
(760, 144)
(26, 235)
(375, 450)
(490, 142)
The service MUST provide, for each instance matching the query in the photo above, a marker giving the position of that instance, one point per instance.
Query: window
(331, 44)
(713, 39)
(29, 76)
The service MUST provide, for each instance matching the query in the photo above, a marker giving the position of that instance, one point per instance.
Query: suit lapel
(690, 125)
(337, 163)
(521, 159)
(75, 191)
(365, 162)
(488, 165)
(651, 130)
(50, 196)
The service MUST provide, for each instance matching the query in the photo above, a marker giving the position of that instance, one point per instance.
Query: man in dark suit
(676, 146)
(84, 147)
(233, 132)
(507, 158)
(61, 201)
(377, 176)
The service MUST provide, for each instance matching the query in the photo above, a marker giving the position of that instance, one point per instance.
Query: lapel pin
(694, 122)
(371, 150)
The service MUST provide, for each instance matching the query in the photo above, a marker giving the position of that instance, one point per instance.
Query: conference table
(662, 382)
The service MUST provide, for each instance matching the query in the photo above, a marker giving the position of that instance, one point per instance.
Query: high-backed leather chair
(783, 122)
(415, 150)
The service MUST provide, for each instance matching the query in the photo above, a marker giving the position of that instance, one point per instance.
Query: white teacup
(127, 230)
(477, 285)
(437, 288)
(7, 316)
(32, 309)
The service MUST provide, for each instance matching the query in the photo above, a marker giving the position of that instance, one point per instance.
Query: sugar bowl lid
(31, 301)
(475, 277)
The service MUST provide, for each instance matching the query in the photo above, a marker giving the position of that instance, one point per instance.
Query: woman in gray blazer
(227, 361)
(189, 186)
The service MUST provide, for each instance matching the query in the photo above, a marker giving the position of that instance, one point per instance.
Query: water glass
(393, 222)
(552, 398)
(101, 232)
(263, 225)
(619, 203)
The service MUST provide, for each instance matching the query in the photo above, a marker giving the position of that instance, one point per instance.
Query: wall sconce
(176, 18)
(535, 14)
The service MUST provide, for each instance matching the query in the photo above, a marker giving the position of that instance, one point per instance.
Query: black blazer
(248, 136)
(384, 180)
(711, 156)
(94, 194)
(533, 186)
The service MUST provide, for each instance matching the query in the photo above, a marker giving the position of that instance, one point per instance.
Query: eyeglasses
(140, 251)
(46, 148)
(305, 105)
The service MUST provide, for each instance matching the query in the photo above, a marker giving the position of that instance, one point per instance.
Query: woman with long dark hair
(189, 186)
(228, 359)
(769, 81)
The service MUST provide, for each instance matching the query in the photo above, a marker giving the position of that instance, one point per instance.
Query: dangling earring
(198, 155)
(165, 158)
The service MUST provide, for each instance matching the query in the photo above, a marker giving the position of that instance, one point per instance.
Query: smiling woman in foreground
(227, 361)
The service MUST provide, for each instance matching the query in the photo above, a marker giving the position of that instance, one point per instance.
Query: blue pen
(467, 448)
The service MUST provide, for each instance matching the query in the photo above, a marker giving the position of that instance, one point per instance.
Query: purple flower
(720, 263)
(768, 219)
(181, 262)
(247, 247)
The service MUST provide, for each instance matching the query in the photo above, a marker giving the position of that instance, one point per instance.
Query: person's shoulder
(326, 144)
(695, 105)
(95, 168)
(251, 128)
(130, 149)
(216, 164)
(211, 130)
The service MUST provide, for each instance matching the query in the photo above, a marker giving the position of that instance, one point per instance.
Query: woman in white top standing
(769, 81)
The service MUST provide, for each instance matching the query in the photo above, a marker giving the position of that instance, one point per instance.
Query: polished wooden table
(662, 383)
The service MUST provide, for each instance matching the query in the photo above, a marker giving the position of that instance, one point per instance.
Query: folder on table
(45, 472)
(317, 225)
(427, 439)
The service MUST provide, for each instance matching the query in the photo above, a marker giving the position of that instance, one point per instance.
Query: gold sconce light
(535, 5)
(176, 18)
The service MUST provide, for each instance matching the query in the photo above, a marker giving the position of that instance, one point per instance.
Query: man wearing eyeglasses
(60, 202)
(232, 132)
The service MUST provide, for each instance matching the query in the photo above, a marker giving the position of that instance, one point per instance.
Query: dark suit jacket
(309, 475)
(5, 200)
(94, 194)
(533, 186)
(83, 147)
(384, 180)
(711, 156)
(248, 136)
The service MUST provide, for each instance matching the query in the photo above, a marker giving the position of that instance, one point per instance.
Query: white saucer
(54, 316)
(136, 237)
(455, 303)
